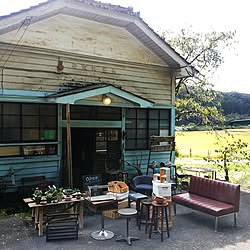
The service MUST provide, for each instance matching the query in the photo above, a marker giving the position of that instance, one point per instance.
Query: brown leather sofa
(217, 198)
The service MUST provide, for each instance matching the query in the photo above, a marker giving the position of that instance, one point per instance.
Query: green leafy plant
(230, 152)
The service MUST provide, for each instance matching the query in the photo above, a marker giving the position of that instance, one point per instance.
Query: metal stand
(127, 213)
(127, 237)
(102, 234)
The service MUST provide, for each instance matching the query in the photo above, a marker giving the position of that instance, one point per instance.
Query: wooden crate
(113, 214)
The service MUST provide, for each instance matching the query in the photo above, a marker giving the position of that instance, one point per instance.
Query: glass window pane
(131, 113)
(34, 150)
(164, 132)
(153, 124)
(131, 144)
(30, 109)
(153, 114)
(48, 122)
(30, 122)
(131, 124)
(142, 144)
(51, 149)
(164, 124)
(11, 109)
(11, 121)
(142, 113)
(142, 124)
(10, 151)
(48, 110)
(131, 134)
(11, 135)
(142, 133)
(30, 134)
(164, 114)
(48, 134)
(153, 132)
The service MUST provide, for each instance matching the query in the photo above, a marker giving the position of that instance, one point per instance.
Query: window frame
(37, 144)
(155, 122)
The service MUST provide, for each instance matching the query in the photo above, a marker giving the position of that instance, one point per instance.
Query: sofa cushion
(217, 190)
(203, 204)
(144, 187)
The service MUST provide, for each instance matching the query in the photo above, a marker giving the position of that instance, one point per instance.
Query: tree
(196, 100)
(233, 151)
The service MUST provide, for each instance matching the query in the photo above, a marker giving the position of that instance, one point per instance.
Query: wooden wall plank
(37, 71)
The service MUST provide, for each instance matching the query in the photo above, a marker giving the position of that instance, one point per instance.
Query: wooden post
(69, 151)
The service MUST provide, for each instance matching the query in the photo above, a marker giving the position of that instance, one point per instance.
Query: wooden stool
(145, 206)
(127, 213)
(159, 211)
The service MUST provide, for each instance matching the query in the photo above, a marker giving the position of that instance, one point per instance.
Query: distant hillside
(235, 105)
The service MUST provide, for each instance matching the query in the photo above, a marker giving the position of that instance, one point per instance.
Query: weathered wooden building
(73, 54)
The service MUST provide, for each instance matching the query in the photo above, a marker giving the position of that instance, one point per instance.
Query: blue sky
(203, 16)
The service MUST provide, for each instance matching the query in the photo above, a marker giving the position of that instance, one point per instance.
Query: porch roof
(91, 90)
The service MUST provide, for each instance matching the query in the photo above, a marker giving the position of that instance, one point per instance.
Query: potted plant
(59, 194)
(68, 193)
(77, 194)
(37, 195)
(49, 197)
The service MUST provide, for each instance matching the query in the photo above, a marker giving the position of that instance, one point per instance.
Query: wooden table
(38, 210)
(198, 170)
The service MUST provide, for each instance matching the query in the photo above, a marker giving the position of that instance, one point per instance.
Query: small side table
(137, 197)
(127, 213)
(102, 234)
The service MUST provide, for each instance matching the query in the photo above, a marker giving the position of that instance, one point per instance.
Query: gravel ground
(191, 230)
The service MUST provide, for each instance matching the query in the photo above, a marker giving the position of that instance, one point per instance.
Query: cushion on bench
(210, 196)
(204, 204)
(217, 190)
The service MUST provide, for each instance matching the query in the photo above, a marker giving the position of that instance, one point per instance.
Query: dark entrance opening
(95, 151)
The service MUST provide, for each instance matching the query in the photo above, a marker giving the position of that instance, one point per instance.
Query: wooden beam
(69, 149)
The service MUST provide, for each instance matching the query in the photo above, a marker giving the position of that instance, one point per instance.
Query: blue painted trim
(172, 122)
(92, 124)
(113, 104)
(30, 93)
(27, 144)
(72, 98)
(27, 159)
(23, 99)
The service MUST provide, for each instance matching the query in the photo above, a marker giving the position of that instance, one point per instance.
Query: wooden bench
(217, 198)
(62, 226)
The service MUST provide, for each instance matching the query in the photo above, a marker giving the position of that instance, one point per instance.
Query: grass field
(199, 144)
(193, 146)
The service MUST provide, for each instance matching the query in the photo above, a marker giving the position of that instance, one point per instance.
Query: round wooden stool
(127, 213)
(145, 212)
(158, 214)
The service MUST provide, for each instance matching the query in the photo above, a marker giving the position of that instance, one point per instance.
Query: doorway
(95, 151)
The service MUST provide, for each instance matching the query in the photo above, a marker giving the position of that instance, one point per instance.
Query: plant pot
(49, 199)
(38, 200)
(59, 197)
(78, 196)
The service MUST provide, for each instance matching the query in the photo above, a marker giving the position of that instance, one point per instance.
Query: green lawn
(203, 143)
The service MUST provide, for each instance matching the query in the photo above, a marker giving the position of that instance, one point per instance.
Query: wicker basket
(117, 187)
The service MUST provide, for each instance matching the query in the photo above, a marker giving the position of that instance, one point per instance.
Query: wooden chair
(62, 226)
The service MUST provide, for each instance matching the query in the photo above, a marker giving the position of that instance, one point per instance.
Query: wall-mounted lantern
(106, 100)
